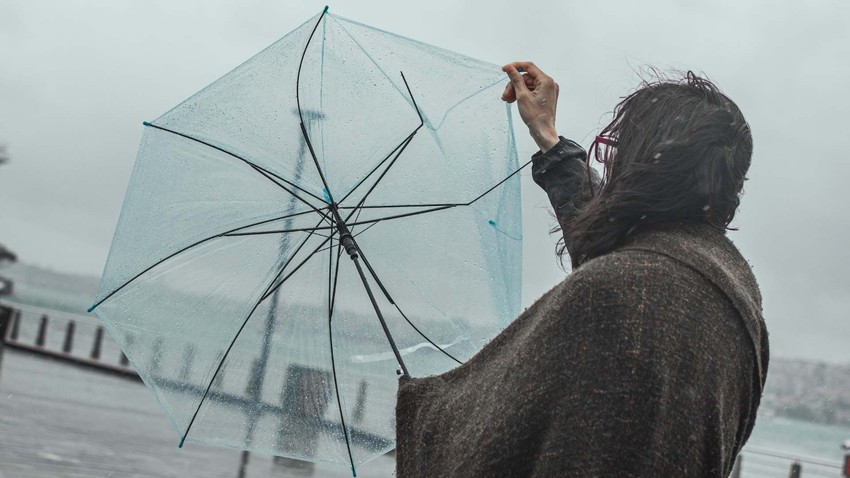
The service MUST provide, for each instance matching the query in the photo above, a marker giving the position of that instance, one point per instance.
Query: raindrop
(654, 100)
(611, 219)
(657, 155)
(643, 217)
(706, 207)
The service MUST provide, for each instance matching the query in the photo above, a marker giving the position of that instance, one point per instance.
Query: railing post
(796, 469)
(218, 382)
(6, 315)
(243, 463)
(188, 358)
(68, 344)
(98, 340)
(41, 337)
(845, 471)
(156, 357)
(16, 326)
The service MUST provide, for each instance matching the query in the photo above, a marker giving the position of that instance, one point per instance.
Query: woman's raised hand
(536, 95)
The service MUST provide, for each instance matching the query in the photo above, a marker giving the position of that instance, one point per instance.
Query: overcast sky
(77, 78)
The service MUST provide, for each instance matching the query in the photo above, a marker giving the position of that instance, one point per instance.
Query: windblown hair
(682, 151)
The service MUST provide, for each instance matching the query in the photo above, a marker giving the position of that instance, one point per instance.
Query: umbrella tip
(353, 471)
(91, 308)
(180, 445)
(491, 222)
(326, 11)
(145, 123)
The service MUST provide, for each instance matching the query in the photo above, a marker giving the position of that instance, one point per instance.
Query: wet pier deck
(58, 420)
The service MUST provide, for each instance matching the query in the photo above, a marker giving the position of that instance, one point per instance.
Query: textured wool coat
(646, 361)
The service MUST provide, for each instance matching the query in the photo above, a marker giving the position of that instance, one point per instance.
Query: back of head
(680, 151)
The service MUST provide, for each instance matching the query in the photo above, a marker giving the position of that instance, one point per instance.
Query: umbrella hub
(345, 237)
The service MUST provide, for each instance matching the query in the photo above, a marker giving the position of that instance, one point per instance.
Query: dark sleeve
(563, 173)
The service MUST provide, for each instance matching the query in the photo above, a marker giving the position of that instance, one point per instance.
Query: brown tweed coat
(646, 361)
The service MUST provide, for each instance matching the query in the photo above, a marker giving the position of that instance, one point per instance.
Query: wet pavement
(57, 420)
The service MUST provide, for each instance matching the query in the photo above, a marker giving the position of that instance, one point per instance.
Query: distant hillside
(51, 289)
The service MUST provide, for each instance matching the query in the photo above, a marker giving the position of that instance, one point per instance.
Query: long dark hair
(679, 151)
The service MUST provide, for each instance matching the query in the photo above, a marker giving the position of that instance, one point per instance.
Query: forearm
(563, 173)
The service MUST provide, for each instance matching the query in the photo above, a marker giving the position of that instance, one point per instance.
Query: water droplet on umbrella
(706, 207)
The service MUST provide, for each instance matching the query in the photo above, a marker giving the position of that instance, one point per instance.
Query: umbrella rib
(378, 166)
(265, 295)
(272, 177)
(272, 290)
(438, 207)
(281, 231)
(393, 302)
(384, 206)
(190, 246)
(331, 302)
(354, 235)
(317, 249)
(384, 173)
(301, 115)
(401, 145)
(509, 176)
(268, 174)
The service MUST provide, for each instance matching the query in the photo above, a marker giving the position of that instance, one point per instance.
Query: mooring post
(68, 344)
(128, 342)
(16, 326)
(5, 319)
(98, 340)
(796, 470)
(41, 337)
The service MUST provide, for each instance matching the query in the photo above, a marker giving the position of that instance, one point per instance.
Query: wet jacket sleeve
(562, 172)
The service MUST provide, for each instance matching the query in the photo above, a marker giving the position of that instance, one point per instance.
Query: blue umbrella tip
(325, 10)
(180, 445)
(353, 471)
(145, 123)
(491, 222)
(91, 308)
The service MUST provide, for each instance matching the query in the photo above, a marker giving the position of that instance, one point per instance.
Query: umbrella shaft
(380, 315)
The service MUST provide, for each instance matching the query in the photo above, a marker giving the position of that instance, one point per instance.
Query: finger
(509, 95)
(530, 68)
(516, 78)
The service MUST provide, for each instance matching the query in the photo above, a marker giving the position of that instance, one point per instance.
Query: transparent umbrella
(339, 209)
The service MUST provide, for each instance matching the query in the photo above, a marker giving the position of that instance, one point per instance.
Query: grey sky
(78, 77)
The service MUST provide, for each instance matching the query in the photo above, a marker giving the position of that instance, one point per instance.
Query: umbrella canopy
(341, 208)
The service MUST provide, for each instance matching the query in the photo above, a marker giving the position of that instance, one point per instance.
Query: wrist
(545, 138)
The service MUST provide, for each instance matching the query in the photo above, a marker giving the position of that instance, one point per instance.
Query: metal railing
(758, 462)
(64, 336)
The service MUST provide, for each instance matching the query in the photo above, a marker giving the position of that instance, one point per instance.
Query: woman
(650, 358)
